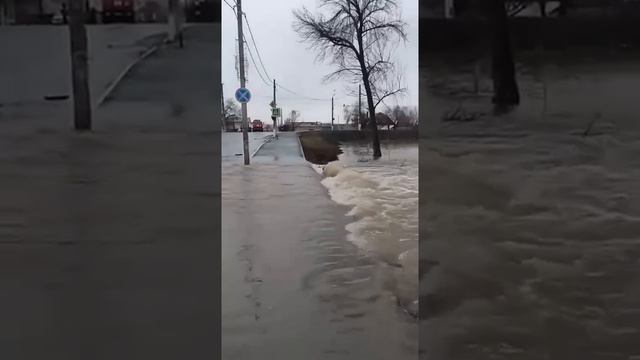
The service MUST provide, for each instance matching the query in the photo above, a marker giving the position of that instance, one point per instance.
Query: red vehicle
(256, 125)
(118, 11)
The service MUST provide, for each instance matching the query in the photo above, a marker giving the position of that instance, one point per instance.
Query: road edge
(301, 148)
(317, 168)
(150, 51)
(114, 84)
(267, 139)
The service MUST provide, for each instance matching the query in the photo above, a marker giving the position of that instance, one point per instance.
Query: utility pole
(274, 118)
(293, 120)
(172, 20)
(359, 123)
(245, 125)
(40, 10)
(222, 114)
(79, 66)
(332, 113)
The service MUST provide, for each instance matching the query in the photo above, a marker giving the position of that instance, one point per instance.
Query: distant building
(233, 123)
(344, 127)
(384, 121)
(36, 11)
(41, 11)
(307, 125)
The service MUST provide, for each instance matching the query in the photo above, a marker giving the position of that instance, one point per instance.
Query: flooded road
(294, 287)
(383, 199)
(232, 144)
(530, 230)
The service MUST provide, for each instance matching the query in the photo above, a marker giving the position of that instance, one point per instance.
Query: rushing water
(293, 287)
(383, 199)
(531, 229)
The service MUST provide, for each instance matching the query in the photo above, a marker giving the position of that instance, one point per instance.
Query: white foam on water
(383, 199)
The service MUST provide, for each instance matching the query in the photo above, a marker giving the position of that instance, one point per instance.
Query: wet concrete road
(232, 146)
(35, 62)
(109, 240)
(293, 286)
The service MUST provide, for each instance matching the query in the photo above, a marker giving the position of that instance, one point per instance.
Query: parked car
(256, 125)
(57, 19)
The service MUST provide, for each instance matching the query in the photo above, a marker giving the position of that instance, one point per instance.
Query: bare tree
(543, 8)
(230, 109)
(358, 36)
(505, 86)
(352, 116)
(496, 14)
(295, 115)
(403, 116)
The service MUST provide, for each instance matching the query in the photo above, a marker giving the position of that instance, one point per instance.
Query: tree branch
(392, 93)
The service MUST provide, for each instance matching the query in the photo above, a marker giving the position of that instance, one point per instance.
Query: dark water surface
(530, 231)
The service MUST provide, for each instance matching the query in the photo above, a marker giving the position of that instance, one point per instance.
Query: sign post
(275, 113)
(79, 66)
(273, 105)
(242, 94)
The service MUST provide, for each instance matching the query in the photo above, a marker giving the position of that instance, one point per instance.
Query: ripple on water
(547, 245)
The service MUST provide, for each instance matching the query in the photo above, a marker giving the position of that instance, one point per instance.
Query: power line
(231, 7)
(245, 40)
(294, 99)
(265, 69)
(302, 96)
(254, 63)
(255, 46)
(266, 73)
(249, 48)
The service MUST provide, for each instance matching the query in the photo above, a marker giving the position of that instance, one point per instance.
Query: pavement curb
(304, 156)
(114, 84)
(317, 168)
(268, 138)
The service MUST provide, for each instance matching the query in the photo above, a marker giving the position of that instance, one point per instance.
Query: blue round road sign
(243, 95)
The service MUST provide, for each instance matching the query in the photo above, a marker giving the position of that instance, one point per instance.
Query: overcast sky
(294, 65)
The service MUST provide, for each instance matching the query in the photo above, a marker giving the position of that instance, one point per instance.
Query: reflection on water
(554, 96)
(531, 229)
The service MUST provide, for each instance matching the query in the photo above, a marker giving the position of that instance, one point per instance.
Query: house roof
(383, 120)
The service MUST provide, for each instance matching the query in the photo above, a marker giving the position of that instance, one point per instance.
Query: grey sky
(294, 65)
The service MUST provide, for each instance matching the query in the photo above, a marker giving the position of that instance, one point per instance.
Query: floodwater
(382, 196)
(293, 285)
(232, 147)
(530, 231)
